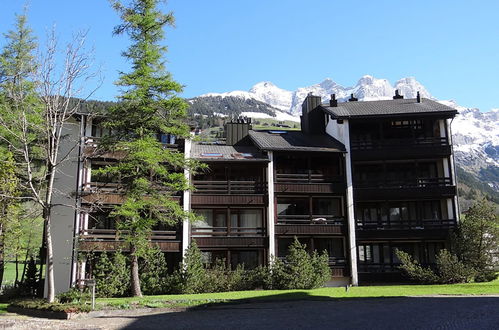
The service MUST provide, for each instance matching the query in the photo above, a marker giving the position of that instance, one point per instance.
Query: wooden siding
(339, 272)
(308, 229)
(231, 241)
(228, 199)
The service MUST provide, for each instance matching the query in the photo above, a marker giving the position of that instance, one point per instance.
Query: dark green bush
(112, 275)
(486, 276)
(153, 272)
(300, 270)
(449, 269)
(193, 274)
(414, 271)
(74, 296)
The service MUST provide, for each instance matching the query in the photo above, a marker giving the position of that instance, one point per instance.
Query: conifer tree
(148, 105)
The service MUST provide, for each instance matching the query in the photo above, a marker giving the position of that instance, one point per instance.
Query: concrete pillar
(186, 226)
(352, 244)
(271, 208)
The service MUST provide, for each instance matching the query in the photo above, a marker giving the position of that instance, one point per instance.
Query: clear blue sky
(451, 47)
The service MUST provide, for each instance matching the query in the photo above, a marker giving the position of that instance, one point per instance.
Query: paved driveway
(378, 313)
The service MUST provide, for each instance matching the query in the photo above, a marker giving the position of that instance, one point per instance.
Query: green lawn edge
(489, 288)
(206, 299)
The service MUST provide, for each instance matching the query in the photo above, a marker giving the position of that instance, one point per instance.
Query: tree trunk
(16, 282)
(134, 267)
(50, 262)
(2, 265)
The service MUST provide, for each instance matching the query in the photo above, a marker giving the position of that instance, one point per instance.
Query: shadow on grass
(298, 310)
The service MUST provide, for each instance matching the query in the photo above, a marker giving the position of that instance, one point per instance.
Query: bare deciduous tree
(34, 126)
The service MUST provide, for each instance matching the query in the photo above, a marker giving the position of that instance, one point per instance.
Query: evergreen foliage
(148, 105)
(112, 275)
(476, 240)
(449, 269)
(193, 272)
(300, 270)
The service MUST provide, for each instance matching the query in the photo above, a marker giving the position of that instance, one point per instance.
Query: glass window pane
(333, 246)
(292, 206)
(327, 206)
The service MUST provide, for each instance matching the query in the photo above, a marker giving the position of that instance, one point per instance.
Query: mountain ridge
(475, 133)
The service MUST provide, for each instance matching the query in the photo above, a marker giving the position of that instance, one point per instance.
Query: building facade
(359, 180)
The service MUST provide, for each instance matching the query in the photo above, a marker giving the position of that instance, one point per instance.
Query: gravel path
(376, 313)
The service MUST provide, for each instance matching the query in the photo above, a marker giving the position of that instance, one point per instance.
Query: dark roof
(226, 153)
(396, 107)
(295, 141)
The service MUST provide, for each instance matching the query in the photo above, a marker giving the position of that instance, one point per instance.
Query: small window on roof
(278, 132)
(211, 155)
(245, 155)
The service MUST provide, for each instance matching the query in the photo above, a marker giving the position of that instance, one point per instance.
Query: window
(101, 220)
(327, 206)
(214, 220)
(250, 259)
(246, 220)
(293, 206)
(333, 246)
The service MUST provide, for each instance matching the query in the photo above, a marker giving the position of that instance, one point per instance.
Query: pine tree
(148, 105)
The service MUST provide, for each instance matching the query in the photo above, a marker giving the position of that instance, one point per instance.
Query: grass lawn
(316, 294)
(9, 274)
(3, 308)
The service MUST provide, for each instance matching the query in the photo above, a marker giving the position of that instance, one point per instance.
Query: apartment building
(359, 180)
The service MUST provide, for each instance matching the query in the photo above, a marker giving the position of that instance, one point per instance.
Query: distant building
(359, 180)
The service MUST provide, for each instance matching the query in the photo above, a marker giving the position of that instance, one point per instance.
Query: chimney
(418, 98)
(312, 117)
(333, 102)
(397, 95)
(236, 131)
(352, 99)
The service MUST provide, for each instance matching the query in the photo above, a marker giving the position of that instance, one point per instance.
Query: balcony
(227, 231)
(403, 183)
(404, 188)
(308, 183)
(107, 240)
(229, 187)
(305, 225)
(400, 148)
(413, 224)
(90, 144)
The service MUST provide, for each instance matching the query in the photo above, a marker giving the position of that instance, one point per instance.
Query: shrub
(112, 276)
(486, 276)
(74, 296)
(412, 269)
(300, 270)
(448, 269)
(193, 273)
(153, 272)
(451, 270)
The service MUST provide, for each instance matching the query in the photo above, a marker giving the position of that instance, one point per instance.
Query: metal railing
(406, 224)
(395, 143)
(110, 234)
(229, 187)
(403, 183)
(306, 178)
(227, 231)
(310, 220)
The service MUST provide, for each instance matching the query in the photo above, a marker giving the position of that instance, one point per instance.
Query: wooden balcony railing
(306, 178)
(406, 224)
(226, 231)
(310, 220)
(102, 187)
(229, 187)
(403, 183)
(93, 141)
(397, 143)
(110, 235)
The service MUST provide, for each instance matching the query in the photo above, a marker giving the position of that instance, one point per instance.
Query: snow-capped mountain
(475, 133)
